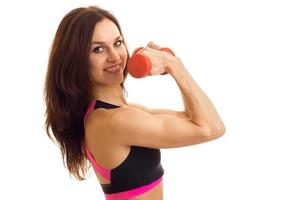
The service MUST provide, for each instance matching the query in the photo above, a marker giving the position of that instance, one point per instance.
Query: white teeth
(113, 69)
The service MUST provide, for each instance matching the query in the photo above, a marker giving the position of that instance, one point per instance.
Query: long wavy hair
(67, 85)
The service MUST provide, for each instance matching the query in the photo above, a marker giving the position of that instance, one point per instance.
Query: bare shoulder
(97, 122)
(104, 119)
(98, 116)
(103, 126)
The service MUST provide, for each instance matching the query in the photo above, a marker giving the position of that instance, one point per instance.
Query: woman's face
(107, 54)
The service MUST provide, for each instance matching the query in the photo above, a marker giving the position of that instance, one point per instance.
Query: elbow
(216, 132)
(220, 130)
(209, 132)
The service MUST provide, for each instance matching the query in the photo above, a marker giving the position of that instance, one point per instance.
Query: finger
(153, 45)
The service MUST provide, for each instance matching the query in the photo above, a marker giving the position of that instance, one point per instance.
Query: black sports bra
(137, 174)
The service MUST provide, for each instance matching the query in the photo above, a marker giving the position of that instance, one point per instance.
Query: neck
(109, 93)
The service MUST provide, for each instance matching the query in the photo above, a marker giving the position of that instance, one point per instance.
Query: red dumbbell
(139, 65)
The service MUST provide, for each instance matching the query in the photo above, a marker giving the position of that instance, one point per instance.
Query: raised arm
(131, 126)
(162, 128)
(198, 106)
(196, 103)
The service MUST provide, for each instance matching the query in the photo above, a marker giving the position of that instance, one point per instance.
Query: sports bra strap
(89, 109)
(102, 171)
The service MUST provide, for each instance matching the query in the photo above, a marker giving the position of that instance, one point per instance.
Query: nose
(113, 55)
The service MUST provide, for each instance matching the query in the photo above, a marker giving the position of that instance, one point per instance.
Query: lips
(113, 68)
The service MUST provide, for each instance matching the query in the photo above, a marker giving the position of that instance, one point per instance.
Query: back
(138, 173)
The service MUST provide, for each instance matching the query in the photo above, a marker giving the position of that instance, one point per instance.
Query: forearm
(196, 103)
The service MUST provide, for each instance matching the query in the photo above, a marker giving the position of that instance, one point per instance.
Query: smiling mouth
(113, 69)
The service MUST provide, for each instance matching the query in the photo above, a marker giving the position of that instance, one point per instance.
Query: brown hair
(67, 84)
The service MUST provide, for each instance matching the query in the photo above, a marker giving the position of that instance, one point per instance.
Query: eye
(118, 43)
(98, 50)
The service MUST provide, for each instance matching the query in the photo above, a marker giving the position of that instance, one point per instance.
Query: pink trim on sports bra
(101, 170)
(89, 109)
(134, 192)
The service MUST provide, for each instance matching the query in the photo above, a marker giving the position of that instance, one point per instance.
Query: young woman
(90, 119)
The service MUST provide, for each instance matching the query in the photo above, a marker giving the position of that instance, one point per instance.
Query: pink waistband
(134, 192)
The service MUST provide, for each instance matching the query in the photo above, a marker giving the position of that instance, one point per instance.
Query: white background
(244, 54)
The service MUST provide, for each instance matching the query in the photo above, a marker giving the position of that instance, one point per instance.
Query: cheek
(93, 74)
(95, 68)
(96, 62)
(124, 55)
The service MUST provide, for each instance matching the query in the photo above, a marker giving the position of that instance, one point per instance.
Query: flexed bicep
(135, 127)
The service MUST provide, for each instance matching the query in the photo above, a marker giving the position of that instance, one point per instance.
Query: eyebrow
(97, 42)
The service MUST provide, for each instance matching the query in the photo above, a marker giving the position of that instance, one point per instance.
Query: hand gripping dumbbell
(139, 65)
